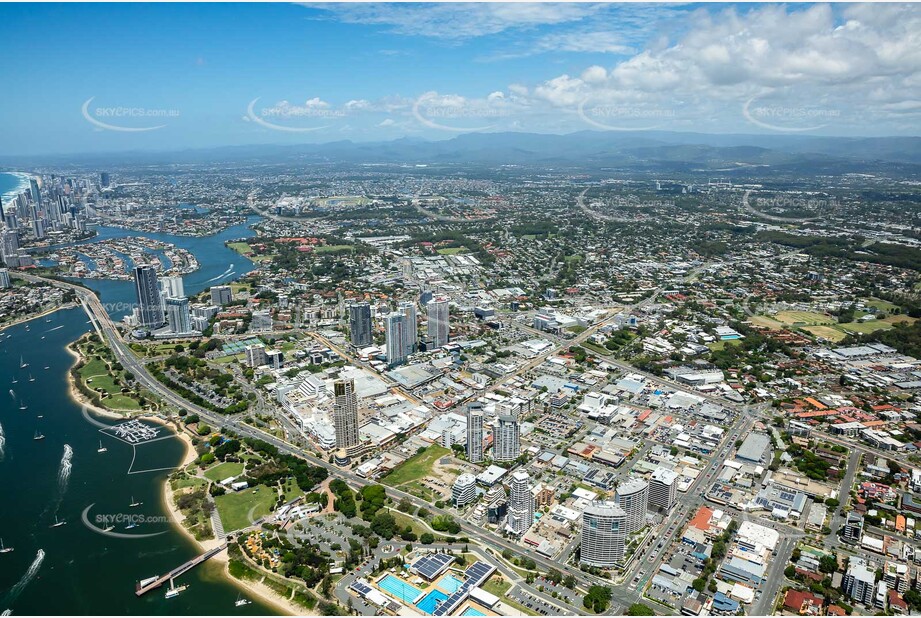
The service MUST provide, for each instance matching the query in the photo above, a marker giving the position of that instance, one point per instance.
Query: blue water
(431, 601)
(83, 572)
(214, 261)
(398, 588)
(10, 186)
(450, 584)
(472, 611)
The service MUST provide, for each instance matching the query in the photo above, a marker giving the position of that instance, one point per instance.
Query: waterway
(72, 569)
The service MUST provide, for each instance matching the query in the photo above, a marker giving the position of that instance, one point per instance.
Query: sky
(81, 78)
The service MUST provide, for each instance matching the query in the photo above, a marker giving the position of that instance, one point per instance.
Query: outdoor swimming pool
(450, 584)
(398, 588)
(431, 600)
(472, 611)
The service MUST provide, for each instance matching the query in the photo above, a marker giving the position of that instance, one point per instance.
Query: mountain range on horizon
(653, 150)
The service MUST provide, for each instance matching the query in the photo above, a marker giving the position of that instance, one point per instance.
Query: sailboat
(22, 363)
(240, 602)
(58, 522)
(23, 406)
(101, 448)
(15, 381)
(108, 528)
(131, 525)
(4, 550)
(38, 436)
(31, 379)
(134, 502)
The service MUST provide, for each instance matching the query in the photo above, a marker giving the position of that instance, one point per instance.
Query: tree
(640, 609)
(828, 564)
(598, 598)
(427, 538)
(699, 584)
(913, 598)
(789, 572)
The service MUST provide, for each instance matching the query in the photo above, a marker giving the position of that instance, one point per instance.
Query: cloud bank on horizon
(381, 71)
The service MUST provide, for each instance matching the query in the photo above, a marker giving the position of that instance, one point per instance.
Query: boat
(15, 381)
(58, 522)
(3, 549)
(22, 363)
(134, 502)
(174, 590)
(131, 526)
(39, 436)
(47, 367)
(240, 602)
(31, 379)
(101, 448)
(12, 394)
(23, 406)
(108, 528)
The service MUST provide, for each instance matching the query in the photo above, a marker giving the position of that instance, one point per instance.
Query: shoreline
(23, 186)
(23, 320)
(258, 590)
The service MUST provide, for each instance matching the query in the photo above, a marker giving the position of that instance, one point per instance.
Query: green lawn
(121, 402)
(882, 305)
(497, 586)
(416, 467)
(865, 327)
(332, 248)
(719, 345)
(191, 481)
(240, 247)
(452, 250)
(224, 470)
(234, 507)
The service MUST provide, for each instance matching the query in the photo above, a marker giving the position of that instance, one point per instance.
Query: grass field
(223, 470)
(875, 325)
(452, 250)
(191, 481)
(763, 320)
(416, 467)
(881, 305)
(497, 585)
(810, 318)
(827, 332)
(95, 374)
(236, 508)
(719, 345)
(240, 247)
(332, 248)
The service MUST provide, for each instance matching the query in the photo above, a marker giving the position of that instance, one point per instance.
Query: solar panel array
(361, 587)
(476, 574)
(431, 565)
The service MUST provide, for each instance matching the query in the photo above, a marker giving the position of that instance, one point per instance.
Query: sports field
(804, 317)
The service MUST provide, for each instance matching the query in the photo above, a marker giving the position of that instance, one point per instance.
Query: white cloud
(458, 20)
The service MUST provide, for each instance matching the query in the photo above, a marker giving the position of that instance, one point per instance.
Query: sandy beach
(257, 589)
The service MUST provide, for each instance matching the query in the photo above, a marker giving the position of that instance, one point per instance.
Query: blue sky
(110, 77)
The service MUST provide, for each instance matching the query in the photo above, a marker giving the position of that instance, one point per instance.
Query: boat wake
(16, 590)
(227, 272)
(66, 466)
(55, 328)
(2, 443)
